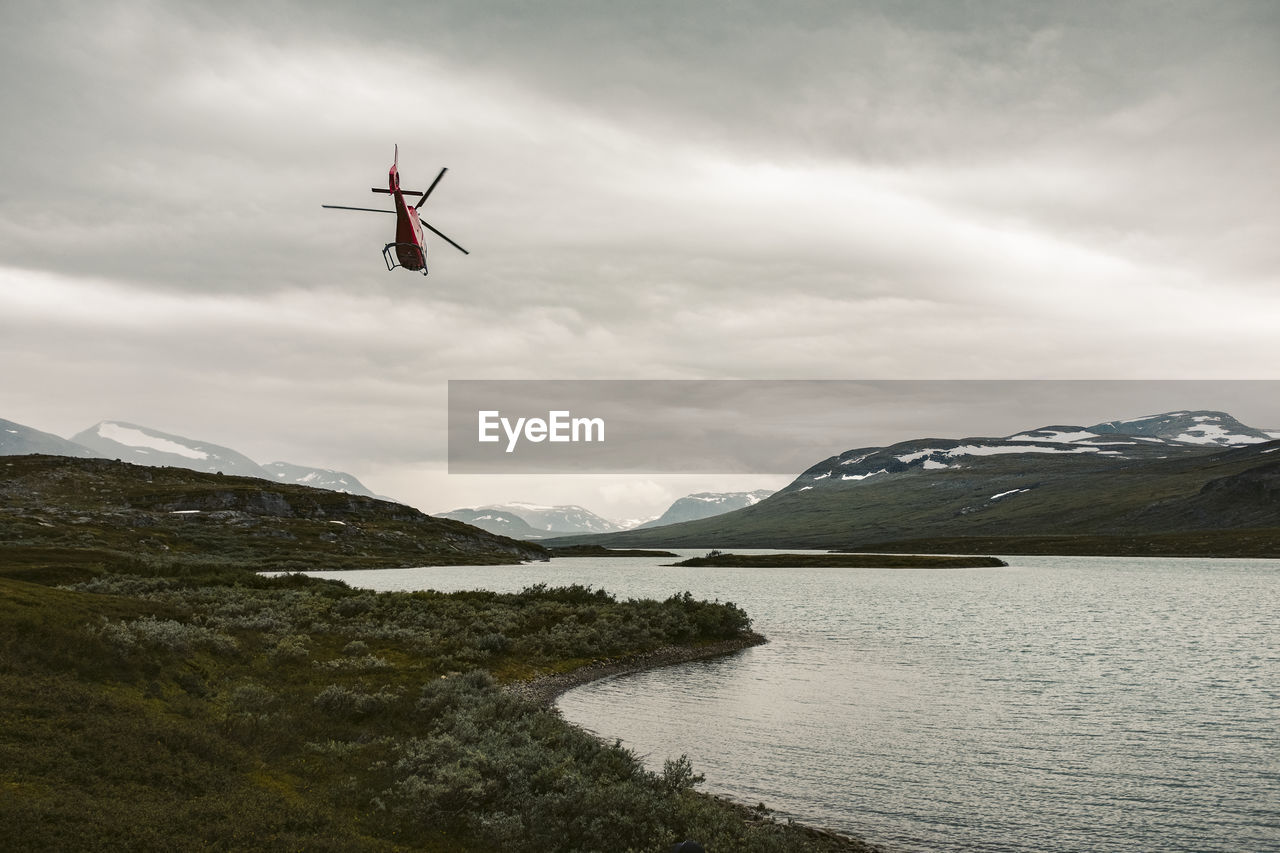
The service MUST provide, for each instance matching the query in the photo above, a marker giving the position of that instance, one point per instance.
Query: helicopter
(409, 245)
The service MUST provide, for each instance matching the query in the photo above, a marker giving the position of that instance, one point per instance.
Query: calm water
(1060, 704)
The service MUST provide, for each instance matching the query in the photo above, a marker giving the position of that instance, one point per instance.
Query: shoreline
(545, 689)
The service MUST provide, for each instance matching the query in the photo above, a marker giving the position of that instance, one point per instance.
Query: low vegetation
(197, 705)
(85, 516)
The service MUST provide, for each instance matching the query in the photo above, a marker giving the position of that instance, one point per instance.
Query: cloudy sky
(661, 190)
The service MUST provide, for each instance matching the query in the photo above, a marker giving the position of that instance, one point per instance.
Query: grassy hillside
(194, 704)
(87, 515)
(1201, 502)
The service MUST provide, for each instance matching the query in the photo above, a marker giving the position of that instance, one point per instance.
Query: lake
(1059, 704)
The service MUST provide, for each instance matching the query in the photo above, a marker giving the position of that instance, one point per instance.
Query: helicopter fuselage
(410, 249)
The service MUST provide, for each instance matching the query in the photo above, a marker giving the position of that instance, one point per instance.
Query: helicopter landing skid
(393, 262)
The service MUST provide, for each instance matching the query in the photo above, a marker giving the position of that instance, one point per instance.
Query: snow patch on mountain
(1187, 427)
(998, 449)
(1212, 433)
(1006, 494)
(1052, 435)
(135, 437)
(908, 458)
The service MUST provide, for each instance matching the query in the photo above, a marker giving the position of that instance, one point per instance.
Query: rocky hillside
(92, 514)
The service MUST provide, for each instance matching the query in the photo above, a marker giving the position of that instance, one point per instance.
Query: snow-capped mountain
(544, 521)
(320, 478)
(704, 505)
(564, 518)
(496, 521)
(145, 446)
(534, 521)
(1136, 438)
(1202, 427)
(1117, 484)
(16, 440)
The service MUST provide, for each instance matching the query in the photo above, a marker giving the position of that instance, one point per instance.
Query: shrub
(678, 775)
(180, 636)
(290, 649)
(338, 701)
(360, 664)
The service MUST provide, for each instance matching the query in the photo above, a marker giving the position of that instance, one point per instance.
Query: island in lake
(842, 561)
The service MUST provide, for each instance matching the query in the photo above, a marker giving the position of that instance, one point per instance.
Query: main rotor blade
(344, 207)
(418, 206)
(429, 227)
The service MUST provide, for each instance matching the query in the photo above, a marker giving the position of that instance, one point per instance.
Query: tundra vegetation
(217, 708)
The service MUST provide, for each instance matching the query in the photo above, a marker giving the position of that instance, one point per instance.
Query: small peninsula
(842, 561)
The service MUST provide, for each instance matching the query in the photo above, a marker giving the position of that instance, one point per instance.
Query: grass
(152, 713)
(162, 694)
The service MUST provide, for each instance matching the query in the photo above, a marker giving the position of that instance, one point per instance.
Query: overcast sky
(648, 190)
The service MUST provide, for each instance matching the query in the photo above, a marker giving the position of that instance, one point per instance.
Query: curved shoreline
(547, 688)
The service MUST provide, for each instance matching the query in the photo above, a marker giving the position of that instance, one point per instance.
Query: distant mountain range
(532, 521)
(501, 522)
(705, 505)
(145, 446)
(1171, 477)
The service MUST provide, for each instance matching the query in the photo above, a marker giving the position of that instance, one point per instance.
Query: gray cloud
(821, 190)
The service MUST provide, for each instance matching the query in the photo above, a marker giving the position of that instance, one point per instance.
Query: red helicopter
(411, 249)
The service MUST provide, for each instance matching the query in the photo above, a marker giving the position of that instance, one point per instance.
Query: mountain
(1203, 427)
(320, 478)
(532, 521)
(16, 439)
(558, 518)
(496, 521)
(1164, 477)
(146, 446)
(542, 521)
(704, 505)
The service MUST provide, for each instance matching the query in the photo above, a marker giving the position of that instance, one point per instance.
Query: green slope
(86, 515)
(1108, 502)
